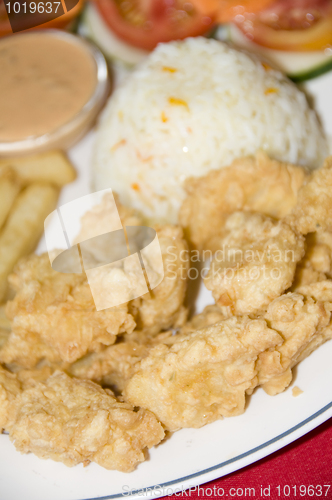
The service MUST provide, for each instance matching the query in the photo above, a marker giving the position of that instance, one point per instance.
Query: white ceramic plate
(189, 457)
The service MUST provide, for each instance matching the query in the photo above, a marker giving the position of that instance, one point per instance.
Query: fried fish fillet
(256, 263)
(113, 366)
(316, 264)
(319, 252)
(203, 376)
(303, 320)
(53, 316)
(313, 210)
(209, 316)
(4, 326)
(256, 184)
(104, 217)
(10, 387)
(76, 421)
(163, 307)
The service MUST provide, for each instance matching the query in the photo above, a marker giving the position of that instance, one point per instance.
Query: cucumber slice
(298, 66)
(93, 26)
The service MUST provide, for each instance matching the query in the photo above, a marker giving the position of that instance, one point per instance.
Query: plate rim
(303, 427)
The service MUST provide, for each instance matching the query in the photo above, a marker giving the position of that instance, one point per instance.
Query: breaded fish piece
(113, 366)
(53, 316)
(256, 184)
(163, 307)
(321, 291)
(4, 326)
(29, 378)
(10, 387)
(101, 218)
(107, 218)
(319, 252)
(209, 316)
(203, 376)
(303, 320)
(313, 210)
(316, 264)
(76, 421)
(255, 264)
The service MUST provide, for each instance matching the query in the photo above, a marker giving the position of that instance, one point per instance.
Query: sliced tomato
(225, 10)
(145, 23)
(294, 25)
(61, 22)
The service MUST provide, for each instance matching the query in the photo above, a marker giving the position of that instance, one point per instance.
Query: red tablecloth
(301, 470)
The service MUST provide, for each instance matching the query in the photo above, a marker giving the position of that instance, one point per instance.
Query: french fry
(52, 167)
(9, 189)
(24, 227)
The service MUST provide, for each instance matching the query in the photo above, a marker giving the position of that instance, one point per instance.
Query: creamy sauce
(44, 83)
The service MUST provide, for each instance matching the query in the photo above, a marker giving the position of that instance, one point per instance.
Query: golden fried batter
(320, 291)
(256, 264)
(209, 316)
(303, 322)
(29, 378)
(305, 275)
(101, 218)
(203, 376)
(256, 184)
(53, 316)
(10, 387)
(76, 421)
(313, 210)
(316, 264)
(319, 252)
(113, 366)
(163, 307)
(4, 326)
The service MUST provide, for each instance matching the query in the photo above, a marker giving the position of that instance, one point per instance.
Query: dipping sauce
(44, 82)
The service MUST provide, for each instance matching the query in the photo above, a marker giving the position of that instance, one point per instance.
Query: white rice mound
(193, 106)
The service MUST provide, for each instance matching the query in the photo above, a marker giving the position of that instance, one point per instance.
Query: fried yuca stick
(52, 167)
(9, 189)
(24, 227)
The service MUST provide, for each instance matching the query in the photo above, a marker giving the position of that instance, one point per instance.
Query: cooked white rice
(193, 106)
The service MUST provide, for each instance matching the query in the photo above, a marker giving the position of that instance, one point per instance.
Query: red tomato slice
(145, 23)
(224, 11)
(297, 25)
